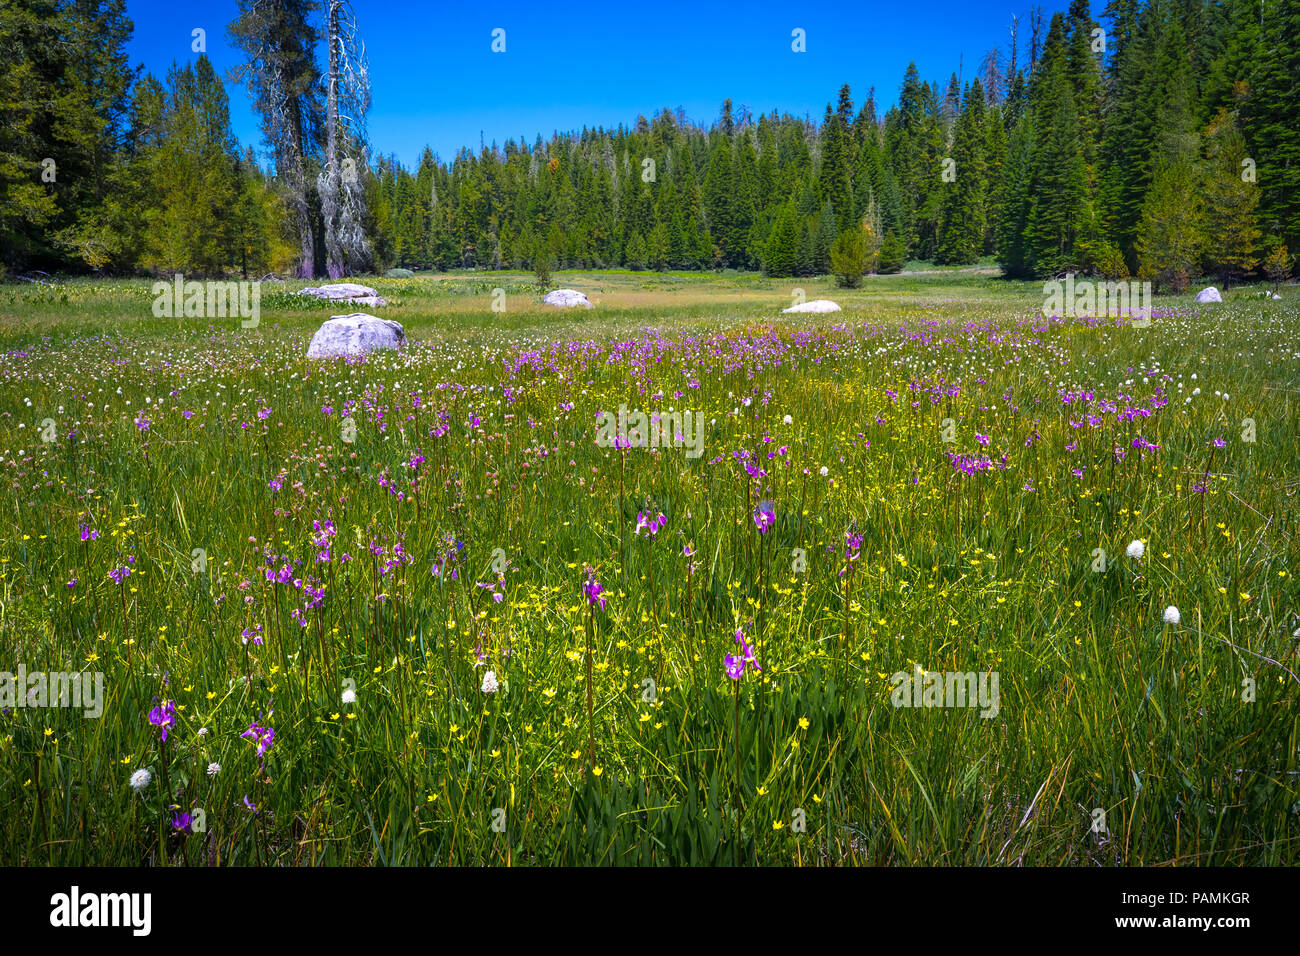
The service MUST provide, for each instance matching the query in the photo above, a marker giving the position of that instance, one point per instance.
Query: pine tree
(1060, 213)
(1272, 118)
(635, 254)
(995, 160)
(1125, 155)
(1170, 238)
(717, 202)
(1082, 66)
(781, 253)
(824, 236)
(1277, 264)
(1232, 234)
(849, 258)
(64, 82)
(893, 254)
(1015, 201)
(961, 224)
(833, 177)
(194, 177)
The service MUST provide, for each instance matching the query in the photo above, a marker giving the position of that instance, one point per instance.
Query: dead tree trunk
(333, 172)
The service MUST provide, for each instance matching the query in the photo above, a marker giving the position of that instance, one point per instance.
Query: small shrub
(1277, 264)
(542, 269)
(1104, 259)
(849, 258)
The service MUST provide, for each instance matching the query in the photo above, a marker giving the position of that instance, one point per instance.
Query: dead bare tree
(1014, 50)
(991, 76)
(1035, 34)
(342, 195)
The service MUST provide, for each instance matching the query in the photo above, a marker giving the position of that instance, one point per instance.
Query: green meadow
(951, 582)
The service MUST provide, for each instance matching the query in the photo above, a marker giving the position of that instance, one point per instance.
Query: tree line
(1163, 142)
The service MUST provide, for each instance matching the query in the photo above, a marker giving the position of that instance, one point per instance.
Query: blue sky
(435, 80)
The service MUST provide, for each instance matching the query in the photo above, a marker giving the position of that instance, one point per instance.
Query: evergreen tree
(962, 222)
(1084, 71)
(834, 179)
(1272, 118)
(849, 258)
(717, 202)
(194, 174)
(781, 254)
(1060, 213)
(1232, 234)
(995, 160)
(1125, 156)
(64, 99)
(893, 254)
(824, 236)
(1015, 200)
(635, 254)
(1170, 238)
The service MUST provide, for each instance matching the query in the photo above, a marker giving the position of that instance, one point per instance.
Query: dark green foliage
(1271, 110)
(823, 238)
(542, 268)
(849, 258)
(962, 223)
(893, 253)
(1048, 177)
(781, 255)
(64, 95)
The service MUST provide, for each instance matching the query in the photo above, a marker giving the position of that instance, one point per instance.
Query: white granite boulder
(566, 299)
(355, 334)
(1209, 294)
(352, 292)
(1267, 295)
(816, 305)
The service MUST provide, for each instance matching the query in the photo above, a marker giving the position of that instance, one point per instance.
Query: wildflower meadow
(679, 580)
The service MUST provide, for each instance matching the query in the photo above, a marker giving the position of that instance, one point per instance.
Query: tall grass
(474, 453)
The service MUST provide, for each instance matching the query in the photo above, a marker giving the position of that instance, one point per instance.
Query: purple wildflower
(264, 736)
(592, 589)
(163, 717)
